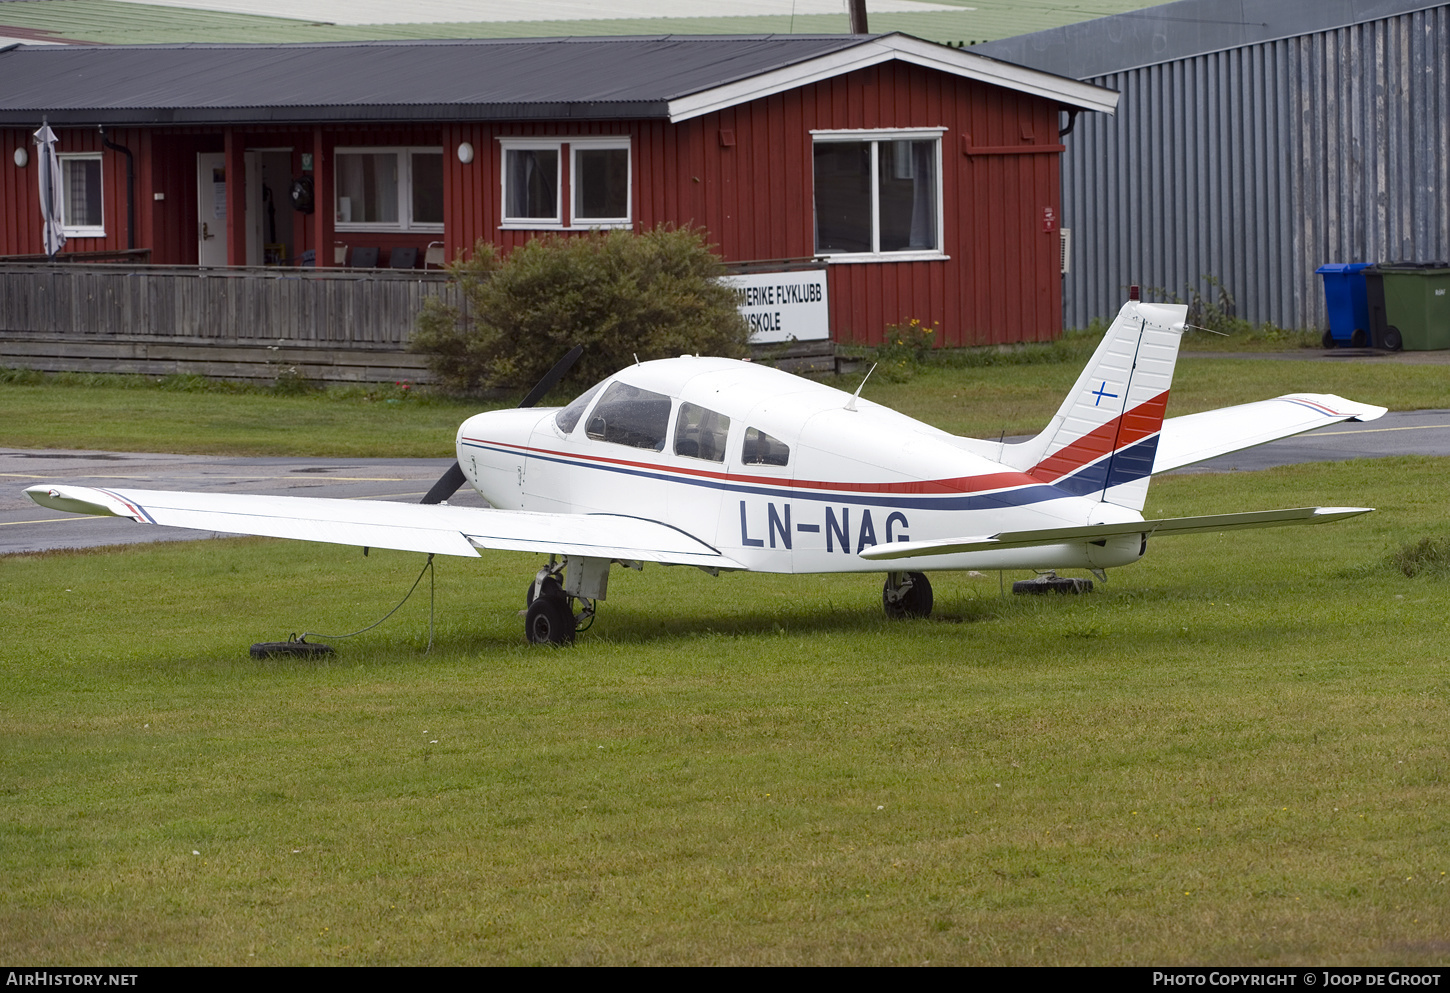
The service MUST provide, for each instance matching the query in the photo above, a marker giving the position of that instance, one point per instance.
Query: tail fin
(1104, 437)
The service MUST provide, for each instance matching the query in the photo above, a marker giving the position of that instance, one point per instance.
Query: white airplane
(725, 465)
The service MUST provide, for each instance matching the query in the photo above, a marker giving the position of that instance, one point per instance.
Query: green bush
(619, 294)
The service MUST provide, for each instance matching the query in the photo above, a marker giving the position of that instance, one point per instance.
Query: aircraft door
(625, 433)
(700, 445)
(760, 519)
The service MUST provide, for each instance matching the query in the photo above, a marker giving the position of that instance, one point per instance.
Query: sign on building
(783, 306)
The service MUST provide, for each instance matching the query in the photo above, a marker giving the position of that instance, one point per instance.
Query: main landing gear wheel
(906, 594)
(549, 621)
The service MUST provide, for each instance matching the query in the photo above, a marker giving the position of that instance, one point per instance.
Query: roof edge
(362, 115)
(875, 50)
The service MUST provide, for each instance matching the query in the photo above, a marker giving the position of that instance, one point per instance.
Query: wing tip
(79, 500)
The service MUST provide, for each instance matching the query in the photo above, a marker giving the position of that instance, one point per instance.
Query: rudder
(1104, 437)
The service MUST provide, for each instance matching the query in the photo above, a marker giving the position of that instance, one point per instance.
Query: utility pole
(858, 16)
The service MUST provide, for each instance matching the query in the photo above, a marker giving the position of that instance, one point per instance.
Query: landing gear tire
(906, 594)
(549, 621)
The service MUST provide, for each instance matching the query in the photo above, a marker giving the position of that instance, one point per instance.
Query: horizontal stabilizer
(1195, 437)
(1100, 532)
(438, 528)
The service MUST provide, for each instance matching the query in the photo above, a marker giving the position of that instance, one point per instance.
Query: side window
(531, 184)
(81, 192)
(877, 193)
(627, 415)
(761, 449)
(569, 416)
(700, 433)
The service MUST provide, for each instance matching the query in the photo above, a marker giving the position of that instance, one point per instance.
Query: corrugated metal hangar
(1255, 141)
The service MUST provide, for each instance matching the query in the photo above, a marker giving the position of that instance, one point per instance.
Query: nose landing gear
(550, 621)
(558, 609)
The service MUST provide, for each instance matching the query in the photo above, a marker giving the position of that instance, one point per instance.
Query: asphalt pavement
(27, 527)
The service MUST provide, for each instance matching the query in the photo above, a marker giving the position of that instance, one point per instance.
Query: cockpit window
(569, 416)
(700, 433)
(627, 415)
(761, 449)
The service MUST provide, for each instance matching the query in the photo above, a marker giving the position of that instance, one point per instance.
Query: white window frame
(404, 155)
(507, 145)
(75, 230)
(876, 136)
(565, 217)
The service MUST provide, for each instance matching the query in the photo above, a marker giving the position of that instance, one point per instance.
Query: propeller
(449, 483)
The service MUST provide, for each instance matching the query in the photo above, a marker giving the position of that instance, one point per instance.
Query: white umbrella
(51, 209)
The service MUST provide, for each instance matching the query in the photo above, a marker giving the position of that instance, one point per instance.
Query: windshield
(568, 418)
(628, 415)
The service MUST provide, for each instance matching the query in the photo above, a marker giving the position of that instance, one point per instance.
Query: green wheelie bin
(1409, 305)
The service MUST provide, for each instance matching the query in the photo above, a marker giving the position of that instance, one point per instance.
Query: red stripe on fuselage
(1136, 424)
(958, 484)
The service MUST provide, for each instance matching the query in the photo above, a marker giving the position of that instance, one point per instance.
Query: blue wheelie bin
(1344, 295)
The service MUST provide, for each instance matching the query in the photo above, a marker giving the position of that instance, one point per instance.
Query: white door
(211, 208)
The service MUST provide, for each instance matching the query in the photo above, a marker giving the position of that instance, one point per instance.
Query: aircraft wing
(1194, 437)
(437, 528)
(1099, 532)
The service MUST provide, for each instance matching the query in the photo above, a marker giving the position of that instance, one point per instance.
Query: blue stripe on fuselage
(1017, 497)
(1125, 466)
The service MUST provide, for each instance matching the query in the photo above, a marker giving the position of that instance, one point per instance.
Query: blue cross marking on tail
(1102, 391)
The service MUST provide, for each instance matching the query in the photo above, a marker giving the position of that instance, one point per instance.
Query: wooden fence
(235, 323)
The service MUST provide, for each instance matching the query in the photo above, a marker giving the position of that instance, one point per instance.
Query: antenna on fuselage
(851, 403)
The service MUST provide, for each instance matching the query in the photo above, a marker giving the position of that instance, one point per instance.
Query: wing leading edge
(438, 529)
(1099, 532)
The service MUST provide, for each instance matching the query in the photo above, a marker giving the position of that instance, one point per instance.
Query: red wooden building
(927, 176)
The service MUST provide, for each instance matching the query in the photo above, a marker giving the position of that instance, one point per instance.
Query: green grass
(197, 416)
(1234, 753)
(1012, 400)
(122, 23)
(1016, 394)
